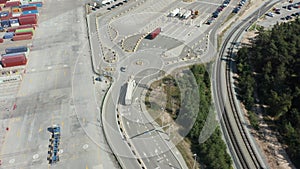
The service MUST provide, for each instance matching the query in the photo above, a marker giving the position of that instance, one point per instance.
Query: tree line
(269, 74)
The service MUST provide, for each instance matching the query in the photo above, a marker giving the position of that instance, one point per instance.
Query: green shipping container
(25, 30)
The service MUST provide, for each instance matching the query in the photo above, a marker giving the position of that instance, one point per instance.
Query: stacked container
(10, 61)
(8, 35)
(22, 37)
(25, 20)
(12, 3)
(17, 49)
(14, 22)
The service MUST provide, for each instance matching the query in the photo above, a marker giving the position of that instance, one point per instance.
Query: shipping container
(29, 8)
(3, 1)
(22, 37)
(7, 17)
(5, 23)
(4, 14)
(24, 33)
(27, 20)
(14, 54)
(29, 15)
(14, 22)
(17, 49)
(155, 33)
(26, 26)
(8, 35)
(16, 14)
(13, 61)
(12, 3)
(37, 4)
(11, 29)
(30, 12)
(16, 9)
(24, 30)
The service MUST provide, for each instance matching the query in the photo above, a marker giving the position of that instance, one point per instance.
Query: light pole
(195, 158)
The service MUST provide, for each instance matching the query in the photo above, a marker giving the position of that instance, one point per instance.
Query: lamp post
(195, 158)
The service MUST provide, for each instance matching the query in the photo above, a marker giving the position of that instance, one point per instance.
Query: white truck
(107, 2)
(130, 87)
(187, 14)
(181, 13)
(174, 12)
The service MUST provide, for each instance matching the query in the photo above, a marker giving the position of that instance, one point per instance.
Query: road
(135, 141)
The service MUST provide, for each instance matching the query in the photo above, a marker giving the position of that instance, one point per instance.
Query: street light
(195, 158)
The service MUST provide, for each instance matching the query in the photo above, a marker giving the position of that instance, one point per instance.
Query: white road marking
(49, 67)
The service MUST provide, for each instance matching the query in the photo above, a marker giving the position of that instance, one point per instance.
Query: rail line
(241, 158)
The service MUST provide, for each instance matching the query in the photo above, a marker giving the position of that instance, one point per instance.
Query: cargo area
(18, 21)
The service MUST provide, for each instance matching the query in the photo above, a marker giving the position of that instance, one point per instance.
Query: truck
(129, 91)
(187, 14)
(181, 13)
(174, 12)
(156, 32)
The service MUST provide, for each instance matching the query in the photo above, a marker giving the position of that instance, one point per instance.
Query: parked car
(270, 14)
(288, 17)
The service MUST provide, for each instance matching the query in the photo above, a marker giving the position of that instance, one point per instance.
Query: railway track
(243, 153)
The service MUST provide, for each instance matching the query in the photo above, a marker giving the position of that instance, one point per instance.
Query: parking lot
(282, 12)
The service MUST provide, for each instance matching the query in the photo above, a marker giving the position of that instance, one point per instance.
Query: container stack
(15, 14)
(14, 56)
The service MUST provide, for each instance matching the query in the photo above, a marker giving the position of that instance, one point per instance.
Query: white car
(270, 14)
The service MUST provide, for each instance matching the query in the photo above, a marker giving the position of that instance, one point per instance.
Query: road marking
(40, 129)
(86, 167)
(65, 65)
(62, 123)
(49, 67)
(32, 70)
(18, 133)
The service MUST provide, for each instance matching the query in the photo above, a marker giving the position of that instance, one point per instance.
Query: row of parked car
(238, 8)
(291, 6)
(53, 156)
(217, 12)
(116, 5)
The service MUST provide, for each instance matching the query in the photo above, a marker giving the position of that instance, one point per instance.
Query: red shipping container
(10, 61)
(12, 3)
(11, 30)
(1, 40)
(26, 26)
(27, 20)
(29, 8)
(28, 15)
(22, 37)
(3, 1)
(23, 33)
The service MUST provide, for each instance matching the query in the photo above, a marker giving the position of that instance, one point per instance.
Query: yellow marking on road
(62, 123)
(40, 129)
(86, 167)
(65, 73)
(18, 133)
(18, 119)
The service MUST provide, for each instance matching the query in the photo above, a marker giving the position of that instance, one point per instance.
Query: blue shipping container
(30, 12)
(36, 4)
(17, 49)
(5, 23)
(4, 14)
(8, 35)
(21, 6)
(12, 21)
